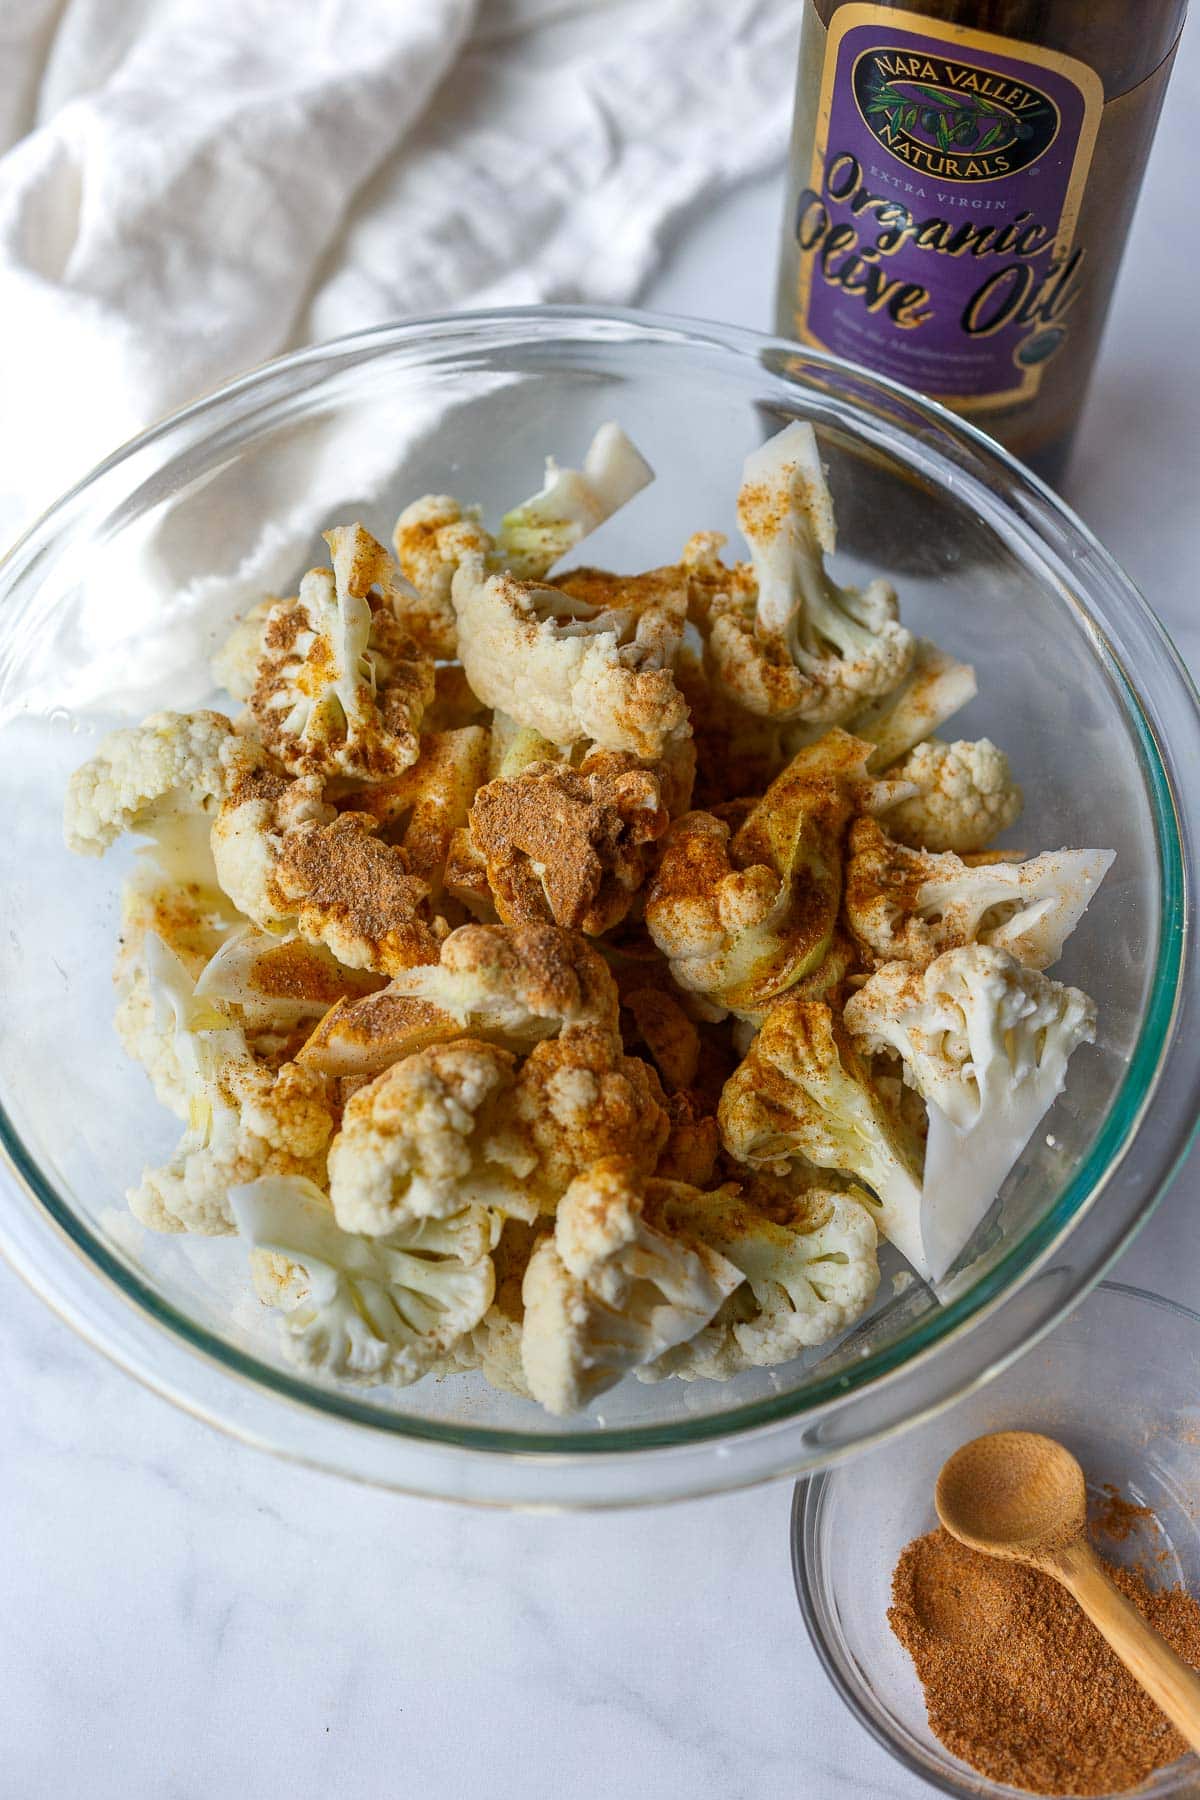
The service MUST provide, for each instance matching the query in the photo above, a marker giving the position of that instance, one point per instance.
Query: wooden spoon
(1021, 1496)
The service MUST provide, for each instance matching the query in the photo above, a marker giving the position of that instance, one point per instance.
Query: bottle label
(937, 232)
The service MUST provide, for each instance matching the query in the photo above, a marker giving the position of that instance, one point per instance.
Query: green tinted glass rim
(940, 1325)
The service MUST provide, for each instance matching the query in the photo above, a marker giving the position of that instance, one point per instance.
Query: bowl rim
(807, 1499)
(1040, 508)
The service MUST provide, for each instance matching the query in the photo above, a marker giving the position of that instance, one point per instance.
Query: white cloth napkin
(188, 187)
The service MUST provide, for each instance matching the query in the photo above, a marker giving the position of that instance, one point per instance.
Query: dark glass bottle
(963, 176)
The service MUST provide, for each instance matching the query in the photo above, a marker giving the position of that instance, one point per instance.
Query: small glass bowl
(1119, 1384)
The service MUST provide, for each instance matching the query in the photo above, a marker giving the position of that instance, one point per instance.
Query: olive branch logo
(951, 120)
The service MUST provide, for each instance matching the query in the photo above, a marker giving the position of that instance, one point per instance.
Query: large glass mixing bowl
(108, 609)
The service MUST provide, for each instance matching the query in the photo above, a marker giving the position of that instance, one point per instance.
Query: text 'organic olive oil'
(962, 181)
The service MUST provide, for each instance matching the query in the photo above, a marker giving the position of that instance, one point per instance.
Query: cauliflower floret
(985, 1042)
(341, 686)
(808, 1258)
(422, 809)
(235, 664)
(260, 804)
(357, 1039)
(514, 985)
(170, 899)
(171, 762)
(243, 1121)
(278, 982)
(571, 504)
(437, 534)
(967, 796)
(694, 1143)
(494, 1346)
(360, 1308)
(935, 688)
(654, 1015)
(801, 1096)
(579, 1098)
(567, 670)
(609, 1292)
(745, 914)
(354, 893)
(421, 1140)
(804, 648)
(569, 845)
(431, 538)
(910, 905)
(466, 877)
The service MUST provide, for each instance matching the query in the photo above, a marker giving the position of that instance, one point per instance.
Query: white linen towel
(188, 187)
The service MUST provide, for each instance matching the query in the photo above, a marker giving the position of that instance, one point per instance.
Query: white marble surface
(189, 1620)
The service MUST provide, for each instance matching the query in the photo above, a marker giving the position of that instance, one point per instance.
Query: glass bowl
(1119, 1384)
(109, 608)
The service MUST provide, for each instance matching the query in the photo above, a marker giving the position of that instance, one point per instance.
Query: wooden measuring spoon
(1021, 1496)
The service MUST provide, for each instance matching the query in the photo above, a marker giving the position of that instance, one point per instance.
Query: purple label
(937, 232)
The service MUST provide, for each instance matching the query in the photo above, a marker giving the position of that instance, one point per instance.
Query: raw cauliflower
(571, 846)
(168, 763)
(913, 904)
(802, 1097)
(514, 985)
(243, 1120)
(566, 669)
(260, 804)
(364, 1309)
(341, 687)
(744, 914)
(808, 1256)
(985, 1042)
(423, 1139)
(356, 894)
(609, 1292)
(966, 796)
(803, 648)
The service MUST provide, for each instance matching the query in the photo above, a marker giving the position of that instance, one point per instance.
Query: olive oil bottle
(963, 175)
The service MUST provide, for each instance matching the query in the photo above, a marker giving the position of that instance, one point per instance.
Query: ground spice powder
(1019, 1684)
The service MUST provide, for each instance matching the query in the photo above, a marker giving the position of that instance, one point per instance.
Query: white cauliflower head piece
(572, 503)
(422, 1140)
(171, 762)
(966, 796)
(568, 670)
(804, 648)
(243, 1121)
(341, 687)
(514, 985)
(358, 1308)
(985, 1042)
(745, 914)
(911, 905)
(803, 1097)
(807, 1251)
(609, 1292)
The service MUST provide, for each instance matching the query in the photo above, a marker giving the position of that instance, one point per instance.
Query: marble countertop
(191, 1620)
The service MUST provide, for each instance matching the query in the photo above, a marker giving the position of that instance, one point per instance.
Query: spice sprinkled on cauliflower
(422, 1140)
(569, 845)
(566, 669)
(912, 904)
(514, 985)
(744, 914)
(260, 805)
(806, 648)
(341, 687)
(802, 1096)
(355, 894)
